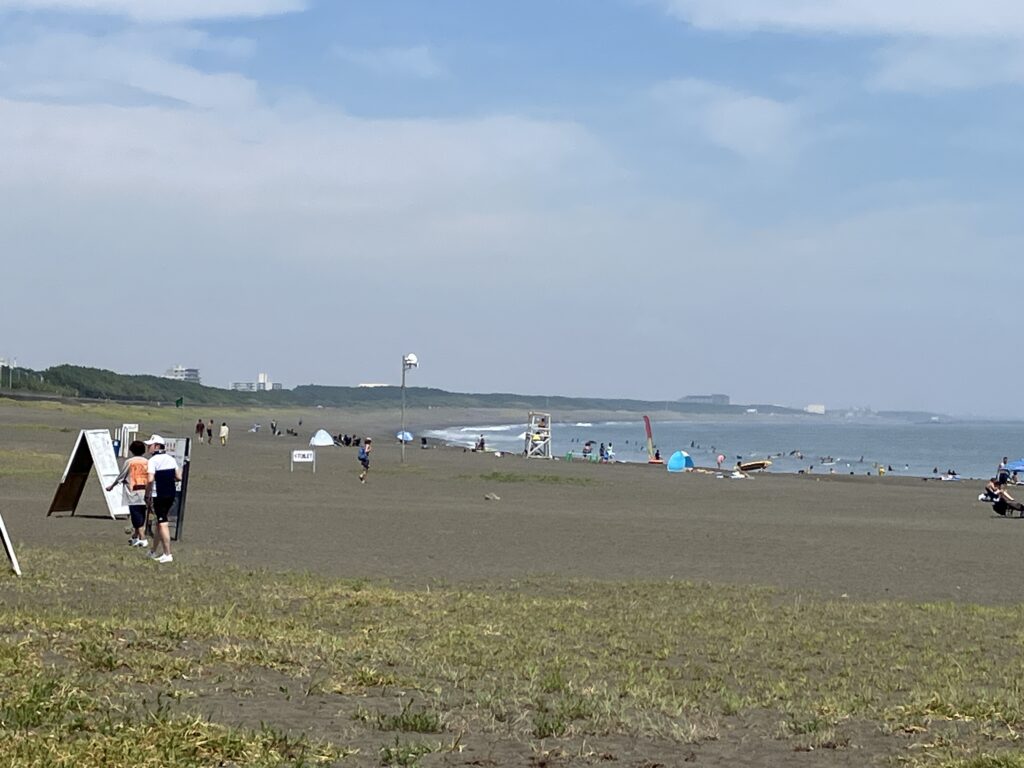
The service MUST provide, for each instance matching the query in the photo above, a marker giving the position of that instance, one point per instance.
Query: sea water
(817, 445)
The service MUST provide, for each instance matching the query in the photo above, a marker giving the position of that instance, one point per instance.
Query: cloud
(131, 68)
(936, 65)
(745, 124)
(951, 19)
(417, 61)
(932, 46)
(161, 10)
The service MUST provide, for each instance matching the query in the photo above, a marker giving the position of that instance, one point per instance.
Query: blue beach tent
(1015, 466)
(680, 461)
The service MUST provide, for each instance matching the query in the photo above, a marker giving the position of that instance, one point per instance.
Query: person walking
(364, 458)
(135, 478)
(224, 433)
(163, 475)
(200, 429)
(209, 433)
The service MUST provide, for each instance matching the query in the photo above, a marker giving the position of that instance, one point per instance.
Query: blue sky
(785, 201)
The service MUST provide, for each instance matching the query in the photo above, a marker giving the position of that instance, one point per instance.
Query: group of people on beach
(996, 494)
(150, 486)
(205, 429)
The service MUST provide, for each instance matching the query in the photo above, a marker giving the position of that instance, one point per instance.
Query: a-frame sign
(9, 547)
(93, 448)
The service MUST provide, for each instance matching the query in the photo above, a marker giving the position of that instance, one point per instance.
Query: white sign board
(93, 449)
(125, 434)
(304, 457)
(102, 449)
(9, 547)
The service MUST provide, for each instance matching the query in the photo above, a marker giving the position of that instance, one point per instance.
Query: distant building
(373, 386)
(181, 373)
(706, 399)
(815, 408)
(262, 384)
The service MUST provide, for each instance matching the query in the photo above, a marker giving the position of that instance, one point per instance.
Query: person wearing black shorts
(364, 459)
(164, 474)
(135, 478)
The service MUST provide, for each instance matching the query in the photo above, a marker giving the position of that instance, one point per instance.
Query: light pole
(408, 361)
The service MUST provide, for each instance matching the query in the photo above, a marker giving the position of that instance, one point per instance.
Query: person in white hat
(163, 475)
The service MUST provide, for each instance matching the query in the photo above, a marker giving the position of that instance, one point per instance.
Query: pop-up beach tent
(680, 461)
(321, 438)
(1015, 466)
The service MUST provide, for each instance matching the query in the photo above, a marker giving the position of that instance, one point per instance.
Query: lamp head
(410, 361)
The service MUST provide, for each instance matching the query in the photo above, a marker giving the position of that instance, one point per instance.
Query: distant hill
(73, 381)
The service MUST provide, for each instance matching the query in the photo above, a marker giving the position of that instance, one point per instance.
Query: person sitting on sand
(991, 492)
(1006, 503)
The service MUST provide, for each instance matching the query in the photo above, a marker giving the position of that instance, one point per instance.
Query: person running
(224, 433)
(135, 477)
(163, 474)
(364, 458)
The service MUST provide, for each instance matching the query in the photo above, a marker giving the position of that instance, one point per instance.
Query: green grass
(522, 477)
(30, 463)
(87, 678)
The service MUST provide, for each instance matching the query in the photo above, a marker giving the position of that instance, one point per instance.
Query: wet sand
(427, 521)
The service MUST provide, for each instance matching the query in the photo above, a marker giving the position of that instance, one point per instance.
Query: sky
(783, 201)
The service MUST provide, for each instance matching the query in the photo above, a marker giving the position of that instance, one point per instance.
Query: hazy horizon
(785, 202)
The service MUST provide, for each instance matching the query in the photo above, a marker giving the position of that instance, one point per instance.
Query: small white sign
(303, 457)
(9, 548)
(130, 427)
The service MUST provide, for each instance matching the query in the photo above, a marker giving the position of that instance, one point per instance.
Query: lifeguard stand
(538, 436)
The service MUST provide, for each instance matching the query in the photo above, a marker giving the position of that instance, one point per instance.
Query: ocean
(820, 446)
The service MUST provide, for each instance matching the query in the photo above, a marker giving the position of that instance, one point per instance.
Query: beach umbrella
(680, 461)
(405, 437)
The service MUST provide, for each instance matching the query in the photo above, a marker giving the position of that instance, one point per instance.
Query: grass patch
(522, 477)
(30, 463)
(410, 720)
(88, 679)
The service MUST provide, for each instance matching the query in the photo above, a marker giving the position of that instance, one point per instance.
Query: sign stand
(304, 457)
(126, 433)
(9, 547)
(93, 448)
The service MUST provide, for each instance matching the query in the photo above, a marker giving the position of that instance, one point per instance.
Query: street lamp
(408, 361)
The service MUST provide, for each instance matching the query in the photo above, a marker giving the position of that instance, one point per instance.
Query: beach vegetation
(86, 679)
(23, 463)
(526, 477)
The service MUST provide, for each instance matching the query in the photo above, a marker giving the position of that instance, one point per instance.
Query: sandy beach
(589, 613)
(428, 520)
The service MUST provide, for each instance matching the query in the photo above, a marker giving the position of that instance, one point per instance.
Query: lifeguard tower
(538, 436)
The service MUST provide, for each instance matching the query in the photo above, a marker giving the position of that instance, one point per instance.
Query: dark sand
(428, 521)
